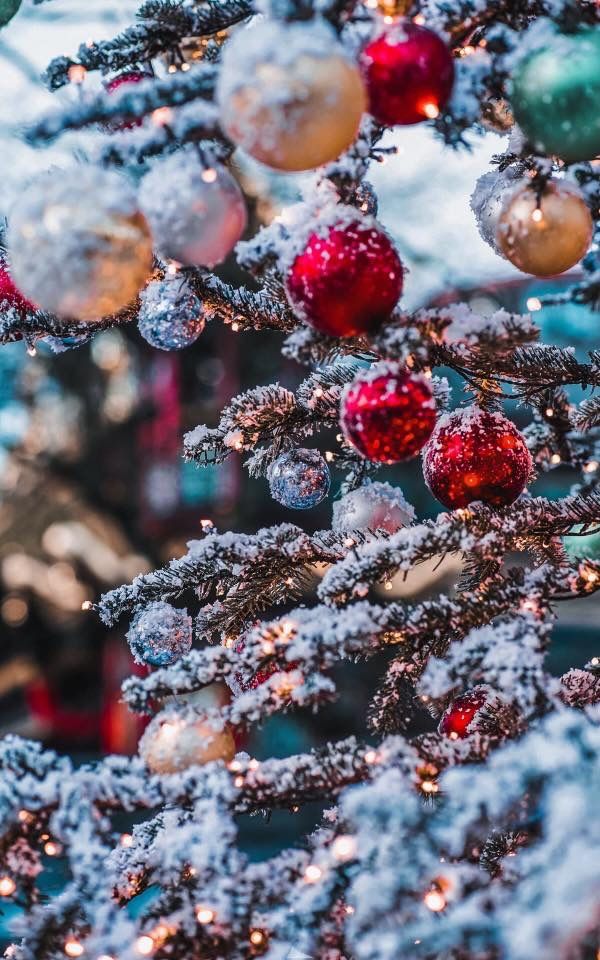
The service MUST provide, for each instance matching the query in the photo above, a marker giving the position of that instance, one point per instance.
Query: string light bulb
(435, 901)
(144, 945)
(344, 847)
(73, 947)
(205, 915)
(7, 886)
(313, 873)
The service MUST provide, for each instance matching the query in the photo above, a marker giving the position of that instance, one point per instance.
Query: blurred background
(93, 488)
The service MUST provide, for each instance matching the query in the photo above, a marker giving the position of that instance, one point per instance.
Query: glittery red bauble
(475, 455)
(115, 84)
(409, 74)
(10, 295)
(457, 719)
(388, 416)
(347, 280)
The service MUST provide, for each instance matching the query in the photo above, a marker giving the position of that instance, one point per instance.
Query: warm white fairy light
(257, 937)
(126, 840)
(209, 175)
(371, 756)
(344, 847)
(536, 215)
(555, 458)
(144, 945)
(431, 110)
(534, 303)
(162, 116)
(238, 782)
(591, 467)
(7, 886)
(435, 900)
(234, 766)
(73, 948)
(51, 849)
(205, 915)
(313, 873)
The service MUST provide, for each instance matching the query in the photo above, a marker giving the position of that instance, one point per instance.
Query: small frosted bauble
(197, 213)
(160, 634)
(347, 280)
(373, 506)
(555, 96)
(170, 316)
(457, 720)
(489, 198)
(299, 479)
(289, 94)
(174, 741)
(11, 297)
(409, 74)
(8, 8)
(475, 455)
(388, 414)
(117, 83)
(548, 237)
(79, 247)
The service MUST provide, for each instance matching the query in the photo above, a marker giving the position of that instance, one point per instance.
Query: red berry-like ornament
(122, 79)
(457, 719)
(347, 280)
(11, 296)
(409, 74)
(474, 455)
(388, 414)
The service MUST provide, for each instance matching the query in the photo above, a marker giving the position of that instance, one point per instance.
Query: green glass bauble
(556, 96)
(8, 8)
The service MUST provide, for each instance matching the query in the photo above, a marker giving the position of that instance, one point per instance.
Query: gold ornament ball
(174, 741)
(79, 246)
(292, 100)
(547, 238)
(394, 8)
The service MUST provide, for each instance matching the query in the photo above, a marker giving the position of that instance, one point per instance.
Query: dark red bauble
(135, 76)
(242, 683)
(347, 280)
(457, 719)
(409, 73)
(11, 296)
(474, 455)
(388, 416)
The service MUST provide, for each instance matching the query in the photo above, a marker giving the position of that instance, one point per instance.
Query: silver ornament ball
(171, 315)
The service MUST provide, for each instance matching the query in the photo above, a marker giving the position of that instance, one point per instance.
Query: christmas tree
(475, 838)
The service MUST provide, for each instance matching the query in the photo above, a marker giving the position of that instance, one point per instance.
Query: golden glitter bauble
(546, 238)
(496, 115)
(176, 740)
(79, 247)
(289, 95)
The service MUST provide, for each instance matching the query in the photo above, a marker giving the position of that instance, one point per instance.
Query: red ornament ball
(243, 683)
(11, 296)
(457, 719)
(388, 414)
(474, 455)
(409, 73)
(347, 280)
(122, 79)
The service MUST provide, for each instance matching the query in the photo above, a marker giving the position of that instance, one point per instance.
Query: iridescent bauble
(387, 413)
(488, 199)
(160, 634)
(130, 78)
(409, 74)
(347, 279)
(372, 506)
(289, 94)
(457, 720)
(197, 212)
(178, 739)
(8, 8)
(548, 236)
(476, 455)
(299, 479)
(10, 296)
(79, 247)
(555, 95)
(171, 315)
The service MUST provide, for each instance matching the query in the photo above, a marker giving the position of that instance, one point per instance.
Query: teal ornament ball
(8, 8)
(556, 96)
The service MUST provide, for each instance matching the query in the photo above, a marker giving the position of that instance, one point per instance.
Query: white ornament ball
(79, 246)
(175, 740)
(488, 200)
(171, 315)
(197, 213)
(373, 506)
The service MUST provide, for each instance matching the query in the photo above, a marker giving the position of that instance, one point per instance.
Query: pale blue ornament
(160, 634)
(299, 479)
